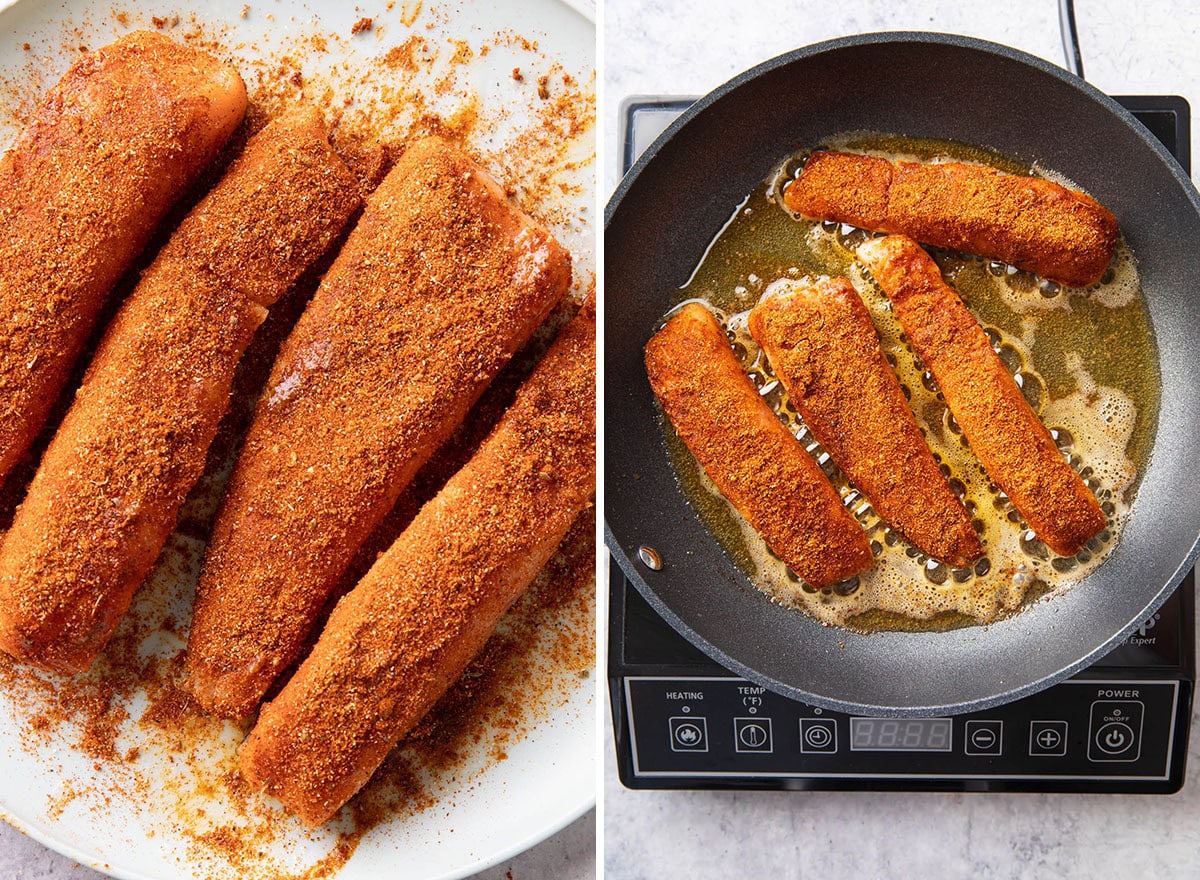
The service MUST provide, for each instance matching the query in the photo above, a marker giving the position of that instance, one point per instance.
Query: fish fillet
(746, 451)
(406, 632)
(133, 443)
(440, 283)
(112, 146)
(822, 344)
(1005, 433)
(1034, 224)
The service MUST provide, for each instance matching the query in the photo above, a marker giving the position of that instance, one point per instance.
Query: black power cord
(1070, 36)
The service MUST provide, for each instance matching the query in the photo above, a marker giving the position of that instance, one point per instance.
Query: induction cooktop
(682, 721)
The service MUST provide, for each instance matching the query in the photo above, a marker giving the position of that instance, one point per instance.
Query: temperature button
(1115, 732)
(752, 735)
(689, 733)
(818, 736)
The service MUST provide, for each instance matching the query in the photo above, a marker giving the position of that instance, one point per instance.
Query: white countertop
(867, 835)
(689, 48)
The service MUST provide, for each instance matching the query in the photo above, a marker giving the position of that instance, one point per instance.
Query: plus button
(1047, 738)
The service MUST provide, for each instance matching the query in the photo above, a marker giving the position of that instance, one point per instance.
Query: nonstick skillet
(675, 200)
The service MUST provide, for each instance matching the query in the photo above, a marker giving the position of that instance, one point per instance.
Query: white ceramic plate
(487, 810)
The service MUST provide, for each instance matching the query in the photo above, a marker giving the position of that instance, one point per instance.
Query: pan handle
(1070, 37)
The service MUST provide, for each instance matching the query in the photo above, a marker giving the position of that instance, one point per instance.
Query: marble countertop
(677, 48)
(721, 834)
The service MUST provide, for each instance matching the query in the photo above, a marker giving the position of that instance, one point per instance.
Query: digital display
(901, 735)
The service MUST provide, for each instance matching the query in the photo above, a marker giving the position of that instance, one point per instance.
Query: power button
(1115, 731)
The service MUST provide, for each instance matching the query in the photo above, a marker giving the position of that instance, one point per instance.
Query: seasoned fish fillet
(1034, 224)
(134, 440)
(1005, 433)
(822, 345)
(746, 451)
(110, 149)
(406, 632)
(440, 283)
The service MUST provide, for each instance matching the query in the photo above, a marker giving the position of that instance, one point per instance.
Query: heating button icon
(689, 733)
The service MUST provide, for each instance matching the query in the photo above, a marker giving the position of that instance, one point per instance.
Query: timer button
(818, 736)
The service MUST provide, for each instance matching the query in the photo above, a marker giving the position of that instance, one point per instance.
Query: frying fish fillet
(752, 458)
(133, 443)
(441, 282)
(1034, 224)
(1005, 433)
(399, 639)
(112, 146)
(822, 345)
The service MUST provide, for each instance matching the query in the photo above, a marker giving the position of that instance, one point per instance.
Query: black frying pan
(677, 197)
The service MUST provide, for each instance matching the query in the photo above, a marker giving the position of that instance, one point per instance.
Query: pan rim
(627, 564)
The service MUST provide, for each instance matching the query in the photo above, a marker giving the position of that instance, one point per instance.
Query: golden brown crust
(1005, 433)
(397, 641)
(133, 443)
(746, 451)
(822, 345)
(1034, 224)
(440, 283)
(845, 187)
(110, 149)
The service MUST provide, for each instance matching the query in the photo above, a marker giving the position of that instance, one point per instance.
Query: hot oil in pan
(1085, 359)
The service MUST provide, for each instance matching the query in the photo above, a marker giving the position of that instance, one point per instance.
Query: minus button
(984, 737)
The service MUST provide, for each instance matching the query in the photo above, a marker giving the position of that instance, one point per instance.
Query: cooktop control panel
(731, 728)
(683, 721)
